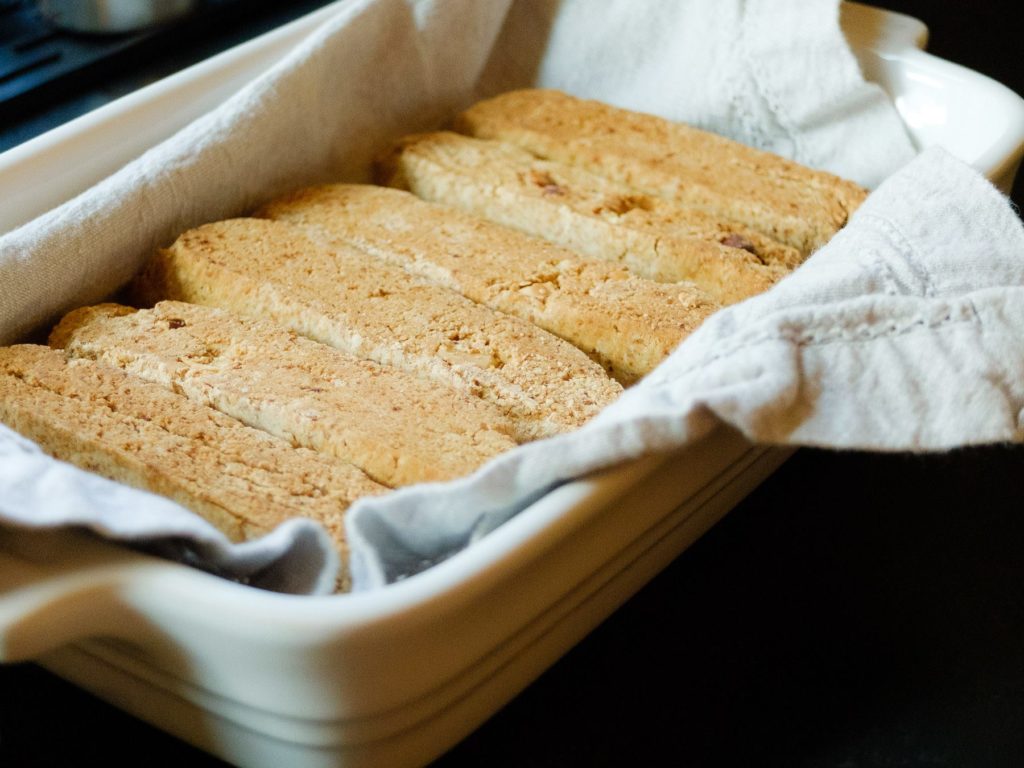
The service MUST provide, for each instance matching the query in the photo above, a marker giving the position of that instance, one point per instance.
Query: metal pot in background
(110, 16)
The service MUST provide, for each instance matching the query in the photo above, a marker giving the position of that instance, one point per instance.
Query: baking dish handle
(52, 598)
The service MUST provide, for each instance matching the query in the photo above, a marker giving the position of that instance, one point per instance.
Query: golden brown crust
(626, 323)
(243, 481)
(373, 310)
(602, 219)
(395, 427)
(792, 203)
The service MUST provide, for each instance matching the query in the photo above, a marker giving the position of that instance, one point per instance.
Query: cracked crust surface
(602, 219)
(398, 429)
(342, 297)
(626, 323)
(790, 202)
(242, 480)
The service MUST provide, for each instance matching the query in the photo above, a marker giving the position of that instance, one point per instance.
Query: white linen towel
(883, 339)
(905, 332)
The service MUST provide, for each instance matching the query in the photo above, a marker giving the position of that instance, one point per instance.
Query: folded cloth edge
(799, 374)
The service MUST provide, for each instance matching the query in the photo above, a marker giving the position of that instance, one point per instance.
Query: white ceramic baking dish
(397, 676)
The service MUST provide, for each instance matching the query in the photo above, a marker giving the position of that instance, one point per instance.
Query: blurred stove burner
(37, 57)
(113, 16)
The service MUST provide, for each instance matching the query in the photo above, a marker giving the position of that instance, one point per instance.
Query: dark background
(856, 610)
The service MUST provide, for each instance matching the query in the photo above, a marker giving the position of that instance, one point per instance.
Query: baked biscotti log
(790, 202)
(626, 323)
(579, 210)
(342, 297)
(395, 427)
(242, 480)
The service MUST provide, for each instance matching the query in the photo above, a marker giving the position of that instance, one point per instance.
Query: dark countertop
(856, 610)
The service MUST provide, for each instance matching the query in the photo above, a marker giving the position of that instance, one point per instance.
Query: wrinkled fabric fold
(41, 493)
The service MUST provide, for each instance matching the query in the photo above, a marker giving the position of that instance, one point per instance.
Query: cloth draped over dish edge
(771, 366)
(902, 334)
